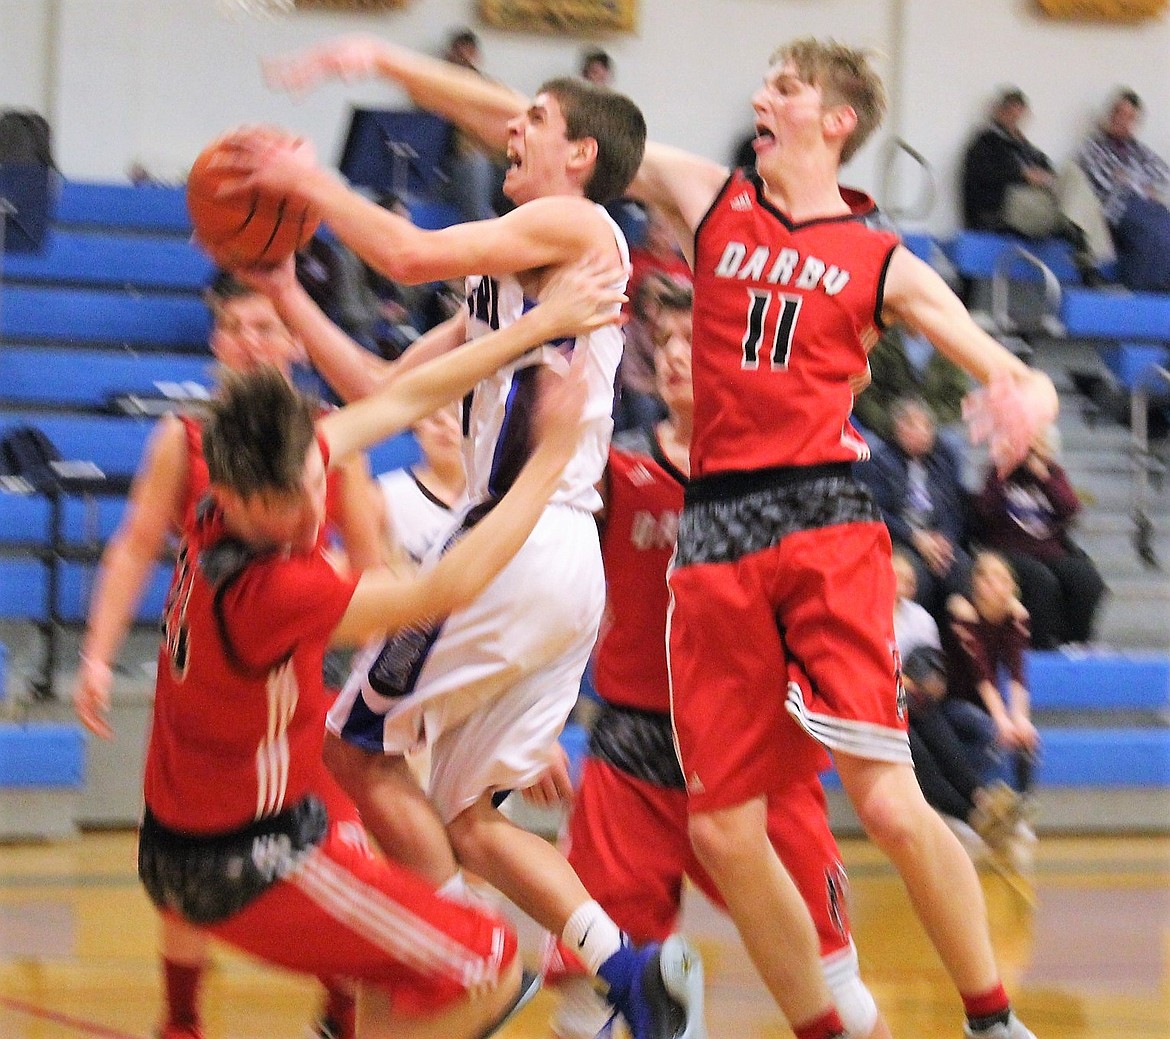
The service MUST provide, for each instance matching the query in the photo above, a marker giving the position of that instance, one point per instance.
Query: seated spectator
(1131, 182)
(906, 365)
(1010, 185)
(990, 635)
(980, 812)
(916, 480)
(1026, 516)
(597, 68)
(658, 306)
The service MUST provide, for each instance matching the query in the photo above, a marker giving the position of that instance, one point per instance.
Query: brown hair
(257, 433)
(613, 121)
(845, 76)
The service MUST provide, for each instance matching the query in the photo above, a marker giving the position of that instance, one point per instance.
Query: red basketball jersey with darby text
(643, 502)
(784, 314)
(230, 746)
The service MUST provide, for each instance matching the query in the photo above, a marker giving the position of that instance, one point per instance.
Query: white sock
(592, 935)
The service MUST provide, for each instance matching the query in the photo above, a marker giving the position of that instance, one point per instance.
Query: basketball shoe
(658, 989)
(1012, 1028)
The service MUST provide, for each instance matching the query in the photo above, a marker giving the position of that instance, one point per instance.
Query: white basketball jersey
(417, 518)
(498, 426)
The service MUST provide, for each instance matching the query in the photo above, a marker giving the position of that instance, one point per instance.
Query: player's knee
(467, 836)
(724, 839)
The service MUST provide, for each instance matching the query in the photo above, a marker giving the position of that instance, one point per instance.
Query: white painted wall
(153, 80)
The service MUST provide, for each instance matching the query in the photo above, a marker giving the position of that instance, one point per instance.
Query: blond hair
(845, 77)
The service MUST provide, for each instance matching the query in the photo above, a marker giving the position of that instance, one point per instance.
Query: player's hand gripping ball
(251, 228)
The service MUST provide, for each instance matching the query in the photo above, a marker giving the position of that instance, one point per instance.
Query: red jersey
(237, 732)
(645, 497)
(784, 314)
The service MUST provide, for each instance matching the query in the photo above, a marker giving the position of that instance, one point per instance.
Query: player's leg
(393, 807)
(841, 639)
(184, 954)
(656, 987)
(627, 841)
(449, 969)
(727, 706)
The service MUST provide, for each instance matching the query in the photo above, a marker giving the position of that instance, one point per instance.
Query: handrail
(928, 192)
(1153, 379)
(1001, 287)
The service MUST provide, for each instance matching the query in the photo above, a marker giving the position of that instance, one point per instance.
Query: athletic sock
(826, 1026)
(181, 982)
(592, 935)
(986, 1009)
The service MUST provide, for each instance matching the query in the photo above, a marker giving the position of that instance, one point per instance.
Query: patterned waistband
(639, 743)
(732, 520)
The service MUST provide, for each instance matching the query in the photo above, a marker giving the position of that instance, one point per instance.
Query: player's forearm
(352, 371)
(121, 580)
(476, 104)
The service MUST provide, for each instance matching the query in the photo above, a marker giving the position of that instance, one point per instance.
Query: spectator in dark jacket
(917, 483)
(1026, 516)
(998, 157)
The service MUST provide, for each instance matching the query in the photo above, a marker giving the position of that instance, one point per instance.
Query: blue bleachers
(42, 754)
(90, 315)
(74, 377)
(1102, 680)
(975, 254)
(113, 443)
(97, 258)
(148, 208)
(1117, 315)
(1105, 758)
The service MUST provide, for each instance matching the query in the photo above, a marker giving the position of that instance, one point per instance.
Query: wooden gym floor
(1090, 959)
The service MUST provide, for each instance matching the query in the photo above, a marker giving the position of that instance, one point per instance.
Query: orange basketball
(247, 230)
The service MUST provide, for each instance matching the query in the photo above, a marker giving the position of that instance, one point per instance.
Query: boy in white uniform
(490, 689)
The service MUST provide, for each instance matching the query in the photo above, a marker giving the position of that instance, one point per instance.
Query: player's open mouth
(513, 159)
(764, 137)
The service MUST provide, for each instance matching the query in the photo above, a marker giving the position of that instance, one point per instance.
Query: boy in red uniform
(171, 480)
(782, 557)
(234, 838)
(627, 833)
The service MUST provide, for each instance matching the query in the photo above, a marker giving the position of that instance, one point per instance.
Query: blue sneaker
(658, 989)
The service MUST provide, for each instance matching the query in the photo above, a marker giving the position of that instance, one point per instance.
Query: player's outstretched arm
(538, 234)
(1018, 401)
(579, 300)
(681, 185)
(155, 499)
(384, 602)
(473, 102)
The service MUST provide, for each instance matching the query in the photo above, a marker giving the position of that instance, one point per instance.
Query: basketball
(247, 230)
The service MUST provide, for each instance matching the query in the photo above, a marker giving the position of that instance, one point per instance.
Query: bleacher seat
(80, 377)
(975, 254)
(1115, 314)
(147, 208)
(42, 773)
(1105, 758)
(107, 259)
(1130, 363)
(1098, 680)
(90, 315)
(113, 443)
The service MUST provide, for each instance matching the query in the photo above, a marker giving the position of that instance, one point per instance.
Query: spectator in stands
(637, 403)
(476, 174)
(906, 365)
(916, 480)
(597, 67)
(1131, 181)
(1010, 185)
(991, 633)
(979, 811)
(658, 252)
(1026, 516)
